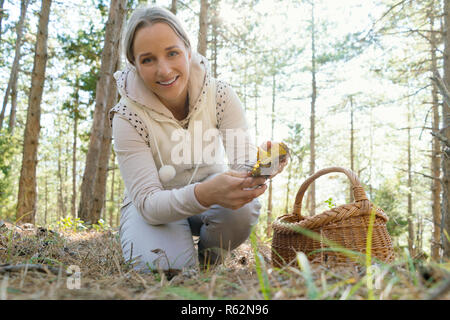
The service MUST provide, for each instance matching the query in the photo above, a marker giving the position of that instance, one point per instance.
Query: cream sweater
(135, 146)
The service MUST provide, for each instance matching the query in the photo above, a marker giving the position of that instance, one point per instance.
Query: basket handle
(358, 191)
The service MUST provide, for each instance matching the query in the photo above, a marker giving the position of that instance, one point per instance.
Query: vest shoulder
(133, 118)
(222, 95)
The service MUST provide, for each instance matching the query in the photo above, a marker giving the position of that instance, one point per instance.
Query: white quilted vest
(200, 145)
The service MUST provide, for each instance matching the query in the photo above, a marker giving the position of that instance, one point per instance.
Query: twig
(382, 17)
(441, 138)
(186, 6)
(423, 174)
(441, 86)
(424, 123)
(29, 267)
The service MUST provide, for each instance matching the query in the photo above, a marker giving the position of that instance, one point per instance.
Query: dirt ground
(37, 263)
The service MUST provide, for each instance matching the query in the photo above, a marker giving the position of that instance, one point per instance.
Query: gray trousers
(171, 246)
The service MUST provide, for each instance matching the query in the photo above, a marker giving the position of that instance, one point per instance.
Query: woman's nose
(163, 68)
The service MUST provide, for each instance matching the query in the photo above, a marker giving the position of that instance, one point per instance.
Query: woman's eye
(173, 53)
(146, 60)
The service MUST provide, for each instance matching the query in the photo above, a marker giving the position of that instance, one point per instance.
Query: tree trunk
(203, 28)
(269, 201)
(12, 83)
(66, 172)
(410, 213)
(371, 132)
(74, 169)
(245, 83)
(256, 111)
(13, 111)
(445, 162)
(102, 174)
(108, 64)
(74, 151)
(46, 196)
(26, 203)
(61, 206)
(1, 20)
(214, 48)
(173, 7)
(286, 207)
(312, 161)
(419, 234)
(435, 156)
(214, 33)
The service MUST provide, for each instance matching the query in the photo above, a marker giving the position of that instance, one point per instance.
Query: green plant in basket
(330, 203)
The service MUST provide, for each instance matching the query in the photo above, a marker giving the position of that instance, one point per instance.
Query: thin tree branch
(30, 267)
(441, 86)
(372, 29)
(422, 174)
(441, 138)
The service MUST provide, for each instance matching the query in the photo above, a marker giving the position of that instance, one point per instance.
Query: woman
(177, 187)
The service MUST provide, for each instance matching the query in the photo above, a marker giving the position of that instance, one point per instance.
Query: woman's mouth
(169, 82)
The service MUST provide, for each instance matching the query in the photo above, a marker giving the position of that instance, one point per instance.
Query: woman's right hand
(228, 190)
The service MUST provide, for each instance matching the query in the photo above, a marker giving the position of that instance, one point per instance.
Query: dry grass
(39, 259)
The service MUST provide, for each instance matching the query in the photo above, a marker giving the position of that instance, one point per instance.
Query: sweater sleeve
(233, 128)
(141, 179)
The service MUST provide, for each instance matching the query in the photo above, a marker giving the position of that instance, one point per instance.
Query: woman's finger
(237, 174)
(251, 182)
(249, 195)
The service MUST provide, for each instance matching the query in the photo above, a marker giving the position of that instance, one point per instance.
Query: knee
(234, 226)
(144, 258)
(149, 248)
(244, 217)
(247, 215)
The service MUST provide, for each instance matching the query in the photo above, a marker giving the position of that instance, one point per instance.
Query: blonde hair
(148, 16)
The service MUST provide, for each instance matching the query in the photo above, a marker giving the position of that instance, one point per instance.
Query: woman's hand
(230, 190)
(266, 146)
(283, 164)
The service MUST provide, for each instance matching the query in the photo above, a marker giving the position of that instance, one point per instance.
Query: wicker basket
(346, 226)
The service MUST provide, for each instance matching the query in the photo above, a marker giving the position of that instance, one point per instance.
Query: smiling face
(162, 61)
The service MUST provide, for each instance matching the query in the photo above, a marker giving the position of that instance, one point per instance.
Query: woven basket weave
(346, 226)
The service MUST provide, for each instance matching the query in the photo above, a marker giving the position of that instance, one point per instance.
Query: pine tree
(12, 83)
(312, 132)
(435, 156)
(26, 204)
(202, 43)
(445, 162)
(86, 210)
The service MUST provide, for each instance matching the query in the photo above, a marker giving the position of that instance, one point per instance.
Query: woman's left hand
(283, 164)
(266, 146)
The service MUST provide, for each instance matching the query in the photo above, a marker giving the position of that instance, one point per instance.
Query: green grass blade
(184, 293)
(411, 267)
(261, 270)
(369, 278)
(302, 260)
(355, 288)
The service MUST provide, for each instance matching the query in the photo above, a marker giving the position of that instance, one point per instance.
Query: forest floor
(37, 263)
